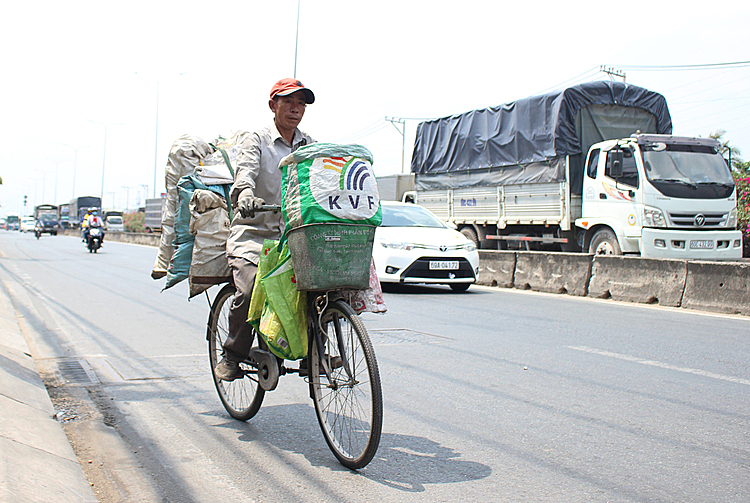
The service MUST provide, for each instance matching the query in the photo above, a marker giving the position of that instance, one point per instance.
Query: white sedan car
(414, 246)
(27, 224)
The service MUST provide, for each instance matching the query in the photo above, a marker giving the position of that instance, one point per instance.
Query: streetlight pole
(104, 154)
(44, 184)
(75, 165)
(296, 42)
(156, 131)
(57, 167)
(156, 137)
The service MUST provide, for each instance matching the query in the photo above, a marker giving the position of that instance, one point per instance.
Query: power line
(373, 128)
(704, 66)
(573, 80)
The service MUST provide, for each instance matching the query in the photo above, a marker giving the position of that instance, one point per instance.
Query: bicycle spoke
(349, 406)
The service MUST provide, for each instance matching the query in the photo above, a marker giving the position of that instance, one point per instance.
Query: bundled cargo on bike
(331, 207)
(196, 217)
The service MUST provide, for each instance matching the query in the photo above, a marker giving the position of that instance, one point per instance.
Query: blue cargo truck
(79, 206)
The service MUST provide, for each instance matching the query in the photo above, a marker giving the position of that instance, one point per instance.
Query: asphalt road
(490, 395)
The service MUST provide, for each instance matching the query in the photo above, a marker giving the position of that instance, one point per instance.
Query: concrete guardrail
(708, 286)
(139, 238)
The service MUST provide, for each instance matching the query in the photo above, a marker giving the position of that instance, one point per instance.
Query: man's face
(289, 110)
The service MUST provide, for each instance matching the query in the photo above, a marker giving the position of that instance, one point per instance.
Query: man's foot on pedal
(228, 370)
(303, 370)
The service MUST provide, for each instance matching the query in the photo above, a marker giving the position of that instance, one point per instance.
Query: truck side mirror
(616, 167)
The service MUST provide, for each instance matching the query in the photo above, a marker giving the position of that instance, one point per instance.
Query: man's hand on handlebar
(248, 204)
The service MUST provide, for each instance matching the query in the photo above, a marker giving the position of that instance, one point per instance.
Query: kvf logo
(345, 187)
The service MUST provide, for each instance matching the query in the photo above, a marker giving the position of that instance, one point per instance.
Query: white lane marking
(662, 365)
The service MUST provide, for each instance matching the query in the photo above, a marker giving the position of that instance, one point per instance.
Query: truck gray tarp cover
(527, 141)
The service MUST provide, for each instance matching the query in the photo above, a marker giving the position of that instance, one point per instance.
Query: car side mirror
(616, 169)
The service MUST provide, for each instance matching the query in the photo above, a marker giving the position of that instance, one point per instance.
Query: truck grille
(695, 219)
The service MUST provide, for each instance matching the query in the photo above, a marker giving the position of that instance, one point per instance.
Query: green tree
(726, 150)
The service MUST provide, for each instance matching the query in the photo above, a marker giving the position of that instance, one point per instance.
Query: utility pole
(612, 72)
(145, 193)
(296, 42)
(402, 131)
(127, 197)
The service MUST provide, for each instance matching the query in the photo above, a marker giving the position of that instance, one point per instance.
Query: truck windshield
(687, 171)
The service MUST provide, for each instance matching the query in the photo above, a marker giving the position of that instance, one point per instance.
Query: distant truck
(113, 221)
(48, 216)
(79, 206)
(394, 187)
(13, 222)
(64, 215)
(152, 218)
(592, 168)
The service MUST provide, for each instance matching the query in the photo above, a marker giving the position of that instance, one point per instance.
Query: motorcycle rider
(85, 225)
(93, 220)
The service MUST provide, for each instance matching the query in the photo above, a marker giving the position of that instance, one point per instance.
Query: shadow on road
(403, 462)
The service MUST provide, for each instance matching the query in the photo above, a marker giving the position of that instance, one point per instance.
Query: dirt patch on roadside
(108, 463)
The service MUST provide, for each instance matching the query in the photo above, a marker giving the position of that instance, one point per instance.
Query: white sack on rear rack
(184, 157)
(209, 223)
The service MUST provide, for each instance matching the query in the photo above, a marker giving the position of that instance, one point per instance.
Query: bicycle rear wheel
(242, 397)
(349, 406)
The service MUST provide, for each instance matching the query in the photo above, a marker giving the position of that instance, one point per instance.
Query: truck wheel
(471, 235)
(605, 242)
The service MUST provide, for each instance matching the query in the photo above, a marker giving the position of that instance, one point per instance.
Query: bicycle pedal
(336, 362)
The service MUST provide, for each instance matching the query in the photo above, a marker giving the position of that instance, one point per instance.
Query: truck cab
(661, 196)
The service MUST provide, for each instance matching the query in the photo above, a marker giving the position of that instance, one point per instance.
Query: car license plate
(443, 265)
(703, 244)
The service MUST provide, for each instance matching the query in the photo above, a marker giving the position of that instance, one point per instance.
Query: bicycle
(342, 373)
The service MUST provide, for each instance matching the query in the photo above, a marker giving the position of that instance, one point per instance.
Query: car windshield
(409, 216)
(47, 217)
(688, 164)
(114, 220)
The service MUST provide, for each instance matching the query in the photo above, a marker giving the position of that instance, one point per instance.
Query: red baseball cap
(285, 87)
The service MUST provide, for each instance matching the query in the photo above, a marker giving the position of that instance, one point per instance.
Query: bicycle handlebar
(266, 207)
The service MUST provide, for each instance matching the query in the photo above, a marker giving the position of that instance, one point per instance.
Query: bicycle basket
(330, 256)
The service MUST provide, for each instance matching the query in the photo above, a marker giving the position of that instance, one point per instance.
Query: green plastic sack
(269, 259)
(282, 318)
(329, 183)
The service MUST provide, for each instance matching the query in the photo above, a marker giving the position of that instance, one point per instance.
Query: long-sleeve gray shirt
(258, 171)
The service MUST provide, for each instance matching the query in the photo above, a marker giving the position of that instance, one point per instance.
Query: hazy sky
(70, 68)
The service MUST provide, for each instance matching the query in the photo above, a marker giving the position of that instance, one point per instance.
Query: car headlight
(470, 247)
(732, 220)
(653, 217)
(396, 245)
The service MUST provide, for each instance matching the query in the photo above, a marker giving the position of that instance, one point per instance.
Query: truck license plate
(703, 244)
(443, 265)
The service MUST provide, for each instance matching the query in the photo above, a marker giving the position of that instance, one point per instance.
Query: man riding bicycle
(258, 182)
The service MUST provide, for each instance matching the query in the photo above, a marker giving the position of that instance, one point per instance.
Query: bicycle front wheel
(242, 397)
(349, 405)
